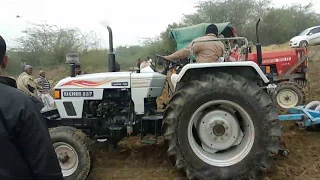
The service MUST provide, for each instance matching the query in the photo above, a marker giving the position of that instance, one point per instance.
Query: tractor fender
(239, 64)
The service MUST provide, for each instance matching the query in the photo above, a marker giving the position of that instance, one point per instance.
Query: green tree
(168, 43)
(44, 44)
(241, 13)
(281, 24)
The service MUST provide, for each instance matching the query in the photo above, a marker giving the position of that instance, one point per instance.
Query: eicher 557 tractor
(220, 122)
(288, 68)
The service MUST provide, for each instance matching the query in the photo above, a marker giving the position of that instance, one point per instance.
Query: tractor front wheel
(73, 152)
(288, 95)
(220, 127)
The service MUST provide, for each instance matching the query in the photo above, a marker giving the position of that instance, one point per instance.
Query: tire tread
(79, 138)
(215, 81)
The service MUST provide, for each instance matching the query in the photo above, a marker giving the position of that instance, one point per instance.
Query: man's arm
(32, 87)
(181, 54)
(35, 144)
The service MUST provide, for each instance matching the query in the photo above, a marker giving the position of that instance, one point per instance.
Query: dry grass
(277, 47)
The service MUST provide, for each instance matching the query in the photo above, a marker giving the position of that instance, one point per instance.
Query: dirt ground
(136, 161)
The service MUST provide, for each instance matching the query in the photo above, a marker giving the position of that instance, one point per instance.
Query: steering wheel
(169, 64)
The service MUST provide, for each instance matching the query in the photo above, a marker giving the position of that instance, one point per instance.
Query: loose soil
(136, 161)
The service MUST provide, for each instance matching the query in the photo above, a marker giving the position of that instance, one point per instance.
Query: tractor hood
(96, 80)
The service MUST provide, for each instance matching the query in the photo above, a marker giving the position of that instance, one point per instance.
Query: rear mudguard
(239, 64)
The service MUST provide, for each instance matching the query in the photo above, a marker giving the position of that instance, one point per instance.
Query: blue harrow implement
(306, 116)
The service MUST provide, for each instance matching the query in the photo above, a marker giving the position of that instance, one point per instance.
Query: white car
(310, 36)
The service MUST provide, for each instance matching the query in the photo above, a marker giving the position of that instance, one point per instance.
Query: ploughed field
(136, 161)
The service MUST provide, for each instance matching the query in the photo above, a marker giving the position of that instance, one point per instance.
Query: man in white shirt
(150, 60)
(145, 63)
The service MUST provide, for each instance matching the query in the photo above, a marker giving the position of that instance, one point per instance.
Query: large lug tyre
(304, 84)
(89, 142)
(288, 95)
(73, 151)
(233, 145)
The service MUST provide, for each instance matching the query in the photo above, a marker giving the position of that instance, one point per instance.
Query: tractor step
(154, 118)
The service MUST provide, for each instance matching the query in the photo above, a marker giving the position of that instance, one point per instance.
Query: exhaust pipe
(111, 55)
(258, 45)
(72, 70)
(72, 59)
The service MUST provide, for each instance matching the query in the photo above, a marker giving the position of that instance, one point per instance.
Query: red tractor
(289, 69)
(286, 69)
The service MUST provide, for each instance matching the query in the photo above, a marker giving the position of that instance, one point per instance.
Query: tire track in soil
(136, 161)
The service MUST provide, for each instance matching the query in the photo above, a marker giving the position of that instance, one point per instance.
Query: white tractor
(220, 122)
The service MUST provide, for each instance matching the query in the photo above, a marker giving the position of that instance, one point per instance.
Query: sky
(130, 20)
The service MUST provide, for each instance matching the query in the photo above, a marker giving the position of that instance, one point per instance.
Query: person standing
(26, 150)
(138, 63)
(149, 60)
(78, 69)
(26, 83)
(43, 82)
(44, 91)
(145, 63)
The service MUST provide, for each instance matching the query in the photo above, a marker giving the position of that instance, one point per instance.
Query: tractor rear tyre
(288, 95)
(222, 127)
(73, 152)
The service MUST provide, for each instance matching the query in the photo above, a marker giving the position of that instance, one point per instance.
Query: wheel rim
(304, 44)
(224, 139)
(68, 158)
(287, 98)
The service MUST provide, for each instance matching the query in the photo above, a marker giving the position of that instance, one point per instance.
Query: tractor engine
(113, 112)
(114, 109)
